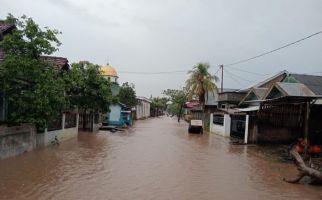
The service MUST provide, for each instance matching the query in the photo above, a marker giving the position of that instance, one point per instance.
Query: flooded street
(156, 159)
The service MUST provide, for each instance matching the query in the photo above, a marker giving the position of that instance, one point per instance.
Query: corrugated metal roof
(314, 83)
(294, 89)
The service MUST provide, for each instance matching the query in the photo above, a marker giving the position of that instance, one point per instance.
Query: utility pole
(222, 78)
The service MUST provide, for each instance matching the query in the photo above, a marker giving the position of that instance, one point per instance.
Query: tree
(200, 82)
(127, 94)
(158, 104)
(34, 89)
(86, 88)
(178, 99)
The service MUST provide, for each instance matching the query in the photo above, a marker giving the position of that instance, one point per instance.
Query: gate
(238, 126)
(86, 121)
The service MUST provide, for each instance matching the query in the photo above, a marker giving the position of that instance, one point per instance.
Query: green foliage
(34, 89)
(178, 99)
(159, 103)
(127, 94)
(86, 88)
(37, 91)
(200, 82)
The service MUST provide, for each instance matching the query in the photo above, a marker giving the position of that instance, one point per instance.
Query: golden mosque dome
(108, 70)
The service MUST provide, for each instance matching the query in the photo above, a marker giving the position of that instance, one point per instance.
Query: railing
(70, 120)
(55, 124)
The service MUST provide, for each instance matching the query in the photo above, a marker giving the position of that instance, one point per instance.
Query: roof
(144, 99)
(56, 61)
(59, 62)
(289, 89)
(4, 26)
(314, 83)
(227, 90)
(265, 83)
(108, 70)
(258, 93)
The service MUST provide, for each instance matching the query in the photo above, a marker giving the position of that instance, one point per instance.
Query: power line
(217, 70)
(271, 51)
(232, 78)
(150, 73)
(239, 77)
(249, 72)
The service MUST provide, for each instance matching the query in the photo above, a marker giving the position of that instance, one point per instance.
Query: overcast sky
(171, 35)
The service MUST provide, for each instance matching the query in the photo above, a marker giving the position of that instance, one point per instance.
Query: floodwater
(156, 159)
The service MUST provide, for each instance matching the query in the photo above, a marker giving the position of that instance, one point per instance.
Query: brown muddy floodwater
(156, 159)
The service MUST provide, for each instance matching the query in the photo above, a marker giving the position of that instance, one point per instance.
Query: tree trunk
(179, 115)
(314, 174)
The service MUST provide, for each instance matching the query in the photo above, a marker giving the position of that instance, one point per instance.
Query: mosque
(119, 114)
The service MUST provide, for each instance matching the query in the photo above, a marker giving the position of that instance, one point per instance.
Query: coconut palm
(201, 82)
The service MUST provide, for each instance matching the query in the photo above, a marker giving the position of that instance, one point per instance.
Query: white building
(143, 108)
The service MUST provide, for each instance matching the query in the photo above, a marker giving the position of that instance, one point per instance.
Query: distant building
(119, 114)
(142, 108)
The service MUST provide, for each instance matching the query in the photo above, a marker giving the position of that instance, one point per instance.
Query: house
(237, 108)
(119, 114)
(257, 92)
(243, 116)
(289, 108)
(142, 109)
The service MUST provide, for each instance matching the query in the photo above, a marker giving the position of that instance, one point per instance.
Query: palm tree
(200, 82)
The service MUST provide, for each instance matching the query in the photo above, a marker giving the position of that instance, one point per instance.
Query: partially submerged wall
(19, 139)
(48, 137)
(16, 140)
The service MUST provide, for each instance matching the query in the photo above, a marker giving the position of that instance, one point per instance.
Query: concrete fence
(220, 124)
(66, 131)
(16, 140)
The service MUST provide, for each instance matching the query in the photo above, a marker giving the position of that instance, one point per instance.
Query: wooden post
(306, 128)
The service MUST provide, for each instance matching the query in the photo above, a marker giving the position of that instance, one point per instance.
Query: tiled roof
(4, 26)
(56, 61)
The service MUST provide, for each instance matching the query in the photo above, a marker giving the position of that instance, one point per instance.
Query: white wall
(45, 139)
(142, 109)
(219, 129)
